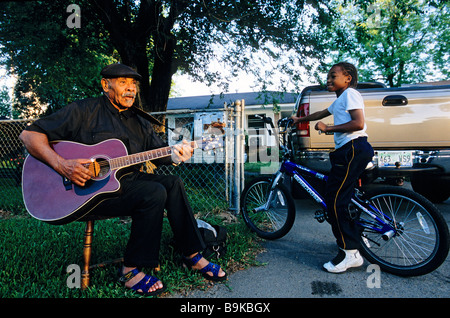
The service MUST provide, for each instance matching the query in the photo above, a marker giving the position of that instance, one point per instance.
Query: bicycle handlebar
(283, 125)
(267, 120)
(285, 122)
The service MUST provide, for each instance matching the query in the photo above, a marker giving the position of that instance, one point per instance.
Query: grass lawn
(35, 256)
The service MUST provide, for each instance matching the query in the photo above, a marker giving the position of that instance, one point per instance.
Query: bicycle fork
(272, 193)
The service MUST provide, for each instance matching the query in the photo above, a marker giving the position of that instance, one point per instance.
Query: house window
(255, 122)
(256, 131)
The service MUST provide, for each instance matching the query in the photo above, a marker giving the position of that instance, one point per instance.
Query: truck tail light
(303, 127)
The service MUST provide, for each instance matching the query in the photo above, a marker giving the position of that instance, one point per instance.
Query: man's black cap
(119, 70)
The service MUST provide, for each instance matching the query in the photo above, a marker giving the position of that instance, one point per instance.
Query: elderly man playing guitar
(142, 196)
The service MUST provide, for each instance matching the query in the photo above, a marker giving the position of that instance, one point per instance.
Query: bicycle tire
(274, 222)
(421, 243)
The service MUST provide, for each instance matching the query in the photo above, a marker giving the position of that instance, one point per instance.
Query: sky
(241, 83)
(5, 80)
(184, 86)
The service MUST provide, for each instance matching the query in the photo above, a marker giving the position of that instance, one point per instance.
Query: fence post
(238, 171)
(242, 147)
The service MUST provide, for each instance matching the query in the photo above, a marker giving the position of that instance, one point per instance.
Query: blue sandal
(211, 267)
(143, 285)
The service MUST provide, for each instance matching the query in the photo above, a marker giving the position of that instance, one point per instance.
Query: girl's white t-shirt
(350, 99)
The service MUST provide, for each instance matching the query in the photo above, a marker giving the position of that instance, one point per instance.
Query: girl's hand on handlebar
(295, 119)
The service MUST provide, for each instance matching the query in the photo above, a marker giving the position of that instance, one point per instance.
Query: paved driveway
(292, 269)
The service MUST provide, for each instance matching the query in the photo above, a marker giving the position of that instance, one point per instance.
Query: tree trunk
(163, 70)
(130, 40)
(136, 57)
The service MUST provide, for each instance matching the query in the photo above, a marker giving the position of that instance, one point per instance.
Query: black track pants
(347, 164)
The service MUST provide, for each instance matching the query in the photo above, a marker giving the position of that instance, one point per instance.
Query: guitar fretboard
(125, 161)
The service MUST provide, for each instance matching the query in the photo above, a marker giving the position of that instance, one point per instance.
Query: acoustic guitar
(54, 199)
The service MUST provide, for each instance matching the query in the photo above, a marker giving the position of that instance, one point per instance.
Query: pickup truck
(408, 127)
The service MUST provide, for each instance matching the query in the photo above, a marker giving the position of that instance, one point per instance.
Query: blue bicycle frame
(382, 222)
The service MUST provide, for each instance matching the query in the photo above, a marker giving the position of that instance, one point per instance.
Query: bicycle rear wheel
(419, 242)
(268, 219)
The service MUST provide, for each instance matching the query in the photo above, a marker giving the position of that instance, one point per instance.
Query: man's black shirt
(92, 120)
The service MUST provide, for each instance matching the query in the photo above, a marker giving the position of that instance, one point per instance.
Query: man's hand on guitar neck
(182, 152)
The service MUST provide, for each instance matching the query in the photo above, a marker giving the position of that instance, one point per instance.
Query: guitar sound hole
(104, 168)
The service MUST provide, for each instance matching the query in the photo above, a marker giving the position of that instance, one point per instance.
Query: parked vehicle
(401, 231)
(409, 128)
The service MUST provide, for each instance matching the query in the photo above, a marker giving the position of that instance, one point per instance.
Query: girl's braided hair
(349, 69)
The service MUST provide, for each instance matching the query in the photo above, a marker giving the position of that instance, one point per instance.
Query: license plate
(390, 158)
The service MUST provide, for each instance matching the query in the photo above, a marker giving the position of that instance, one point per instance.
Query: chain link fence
(211, 176)
(12, 156)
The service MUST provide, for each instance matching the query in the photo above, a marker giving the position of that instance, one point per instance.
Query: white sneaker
(352, 259)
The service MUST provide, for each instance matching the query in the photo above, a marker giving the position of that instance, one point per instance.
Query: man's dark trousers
(144, 197)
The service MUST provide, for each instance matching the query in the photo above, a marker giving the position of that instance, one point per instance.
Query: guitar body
(50, 198)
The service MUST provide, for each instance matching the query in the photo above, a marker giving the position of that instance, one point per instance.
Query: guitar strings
(106, 162)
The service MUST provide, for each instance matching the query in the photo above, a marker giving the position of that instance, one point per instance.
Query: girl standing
(351, 155)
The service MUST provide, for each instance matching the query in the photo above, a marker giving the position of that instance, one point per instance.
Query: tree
(395, 41)
(160, 37)
(53, 64)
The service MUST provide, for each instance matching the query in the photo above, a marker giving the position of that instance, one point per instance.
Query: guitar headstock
(210, 143)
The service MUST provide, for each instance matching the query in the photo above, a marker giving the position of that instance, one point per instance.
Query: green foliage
(394, 41)
(5, 111)
(56, 64)
(288, 43)
(265, 38)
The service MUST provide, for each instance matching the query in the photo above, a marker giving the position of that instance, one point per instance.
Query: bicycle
(401, 231)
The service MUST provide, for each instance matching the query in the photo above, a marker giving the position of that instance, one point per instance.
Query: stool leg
(87, 253)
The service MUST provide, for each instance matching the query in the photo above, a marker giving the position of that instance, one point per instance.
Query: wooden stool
(87, 250)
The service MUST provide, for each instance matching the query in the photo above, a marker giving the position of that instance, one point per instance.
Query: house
(193, 116)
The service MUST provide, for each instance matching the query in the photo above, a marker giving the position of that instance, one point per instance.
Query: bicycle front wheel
(270, 214)
(419, 242)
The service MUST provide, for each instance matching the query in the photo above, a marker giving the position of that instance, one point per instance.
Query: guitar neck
(125, 161)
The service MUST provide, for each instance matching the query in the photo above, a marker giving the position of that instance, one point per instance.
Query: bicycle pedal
(319, 216)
